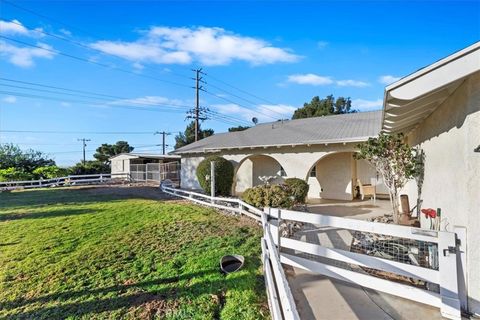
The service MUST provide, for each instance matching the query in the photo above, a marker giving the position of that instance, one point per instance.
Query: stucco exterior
(335, 168)
(452, 171)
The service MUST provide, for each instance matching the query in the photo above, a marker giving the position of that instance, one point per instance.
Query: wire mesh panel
(153, 172)
(407, 251)
(170, 171)
(137, 172)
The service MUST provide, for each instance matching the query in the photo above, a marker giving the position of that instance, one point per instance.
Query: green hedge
(276, 196)
(223, 175)
(298, 189)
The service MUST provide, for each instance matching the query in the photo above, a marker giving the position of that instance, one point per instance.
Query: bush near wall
(276, 196)
(298, 189)
(223, 175)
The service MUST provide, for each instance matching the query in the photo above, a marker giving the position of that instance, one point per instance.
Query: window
(313, 172)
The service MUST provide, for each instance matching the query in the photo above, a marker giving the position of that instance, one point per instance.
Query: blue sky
(133, 60)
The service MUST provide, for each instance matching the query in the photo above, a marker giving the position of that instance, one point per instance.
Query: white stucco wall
(296, 161)
(452, 171)
(188, 173)
(244, 177)
(334, 172)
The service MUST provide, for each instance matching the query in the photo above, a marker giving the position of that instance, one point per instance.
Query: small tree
(223, 175)
(395, 160)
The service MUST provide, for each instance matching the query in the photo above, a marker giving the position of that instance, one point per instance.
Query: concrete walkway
(320, 297)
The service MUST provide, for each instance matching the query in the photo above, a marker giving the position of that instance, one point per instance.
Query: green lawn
(82, 254)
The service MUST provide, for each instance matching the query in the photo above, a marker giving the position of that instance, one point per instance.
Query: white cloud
(352, 83)
(66, 32)
(309, 78)
(12, 27)
(367, 105)
(387, 79)
(318, 80)
(322, 44)
(15, 27)
(65, 104)
(9, 99)
(263, 112)
(150, 101)
(209, 46)
(24, 56)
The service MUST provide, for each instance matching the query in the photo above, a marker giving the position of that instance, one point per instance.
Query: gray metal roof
(136, 155)
(351, 127)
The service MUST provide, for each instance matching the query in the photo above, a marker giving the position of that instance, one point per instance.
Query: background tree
(395, 160)
(324, 107)
(106, 151)
(90, 167)
(182, 139)
(239, 128)
(11, 156)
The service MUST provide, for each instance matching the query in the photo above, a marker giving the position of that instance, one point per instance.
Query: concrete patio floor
(320, 297)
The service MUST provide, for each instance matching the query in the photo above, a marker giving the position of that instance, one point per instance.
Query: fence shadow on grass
(46, 214)
(42, 197)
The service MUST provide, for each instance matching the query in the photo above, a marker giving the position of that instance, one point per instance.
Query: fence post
(447, 260)
(101, 177)
(461, 236)
(279, 233)
(212, 180)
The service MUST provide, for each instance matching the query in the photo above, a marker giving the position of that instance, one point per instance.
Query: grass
(79, 254)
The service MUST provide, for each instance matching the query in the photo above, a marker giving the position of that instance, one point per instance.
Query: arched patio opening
(252, 168)
(335, 176)
(332, 177)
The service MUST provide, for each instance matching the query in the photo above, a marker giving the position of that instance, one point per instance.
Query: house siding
(452, 171)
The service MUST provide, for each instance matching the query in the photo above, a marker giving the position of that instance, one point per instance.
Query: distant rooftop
(352, 127)
(136, 155)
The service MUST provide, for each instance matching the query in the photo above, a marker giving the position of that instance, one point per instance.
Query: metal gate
(383, 255)
(155, 172)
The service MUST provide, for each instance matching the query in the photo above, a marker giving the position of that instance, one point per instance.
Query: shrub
(13, 174)
(298, 189)
(90, 167)
(277, 196)
(49, 172)
(223, 175)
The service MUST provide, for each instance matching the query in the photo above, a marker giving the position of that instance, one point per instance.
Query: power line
(79, 44)
(78, 132)
(43, 16)
(95, 104)
(228, 100)
(88, 94)
(93, 62)
(241, 90)
(246, 100)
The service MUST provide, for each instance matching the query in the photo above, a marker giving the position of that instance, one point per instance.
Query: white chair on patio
(367, 189)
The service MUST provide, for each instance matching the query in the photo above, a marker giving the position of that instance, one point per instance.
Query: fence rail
(280, 299)
(447, 299)
(70, 180)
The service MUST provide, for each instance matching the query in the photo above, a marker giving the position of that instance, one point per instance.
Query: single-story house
(140, 166)
(438, 108)
(319, 150)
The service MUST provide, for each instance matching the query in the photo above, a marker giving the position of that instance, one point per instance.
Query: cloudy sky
(79, 69)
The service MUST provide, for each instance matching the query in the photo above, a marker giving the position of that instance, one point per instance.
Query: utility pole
(198, 87)
(163, 133)
(84, 144)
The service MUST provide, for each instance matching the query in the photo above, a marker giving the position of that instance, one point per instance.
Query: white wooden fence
(70, 180)
(446, 276)
(280, 299)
